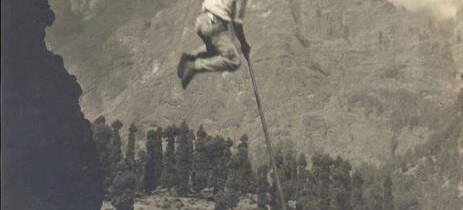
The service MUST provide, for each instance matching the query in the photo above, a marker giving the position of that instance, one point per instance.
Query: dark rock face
(48, 158)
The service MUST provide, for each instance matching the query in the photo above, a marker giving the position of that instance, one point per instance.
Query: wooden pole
(267, 138)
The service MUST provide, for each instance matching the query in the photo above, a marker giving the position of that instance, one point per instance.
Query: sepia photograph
(232, 105)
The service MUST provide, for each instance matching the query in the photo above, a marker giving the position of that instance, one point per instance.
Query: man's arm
(239, 31)
(237, 24)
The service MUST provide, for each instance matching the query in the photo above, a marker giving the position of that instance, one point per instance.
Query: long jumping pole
(264, 127)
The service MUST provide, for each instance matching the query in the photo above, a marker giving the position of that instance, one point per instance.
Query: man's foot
(188, 73)
(181, 64)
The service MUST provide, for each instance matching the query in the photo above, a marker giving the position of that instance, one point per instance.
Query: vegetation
(169, 170)
(183, 156)
(153, 164)
(193, 162)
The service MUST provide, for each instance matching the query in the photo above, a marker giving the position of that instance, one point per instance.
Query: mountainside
(458, 41)
(359, 78)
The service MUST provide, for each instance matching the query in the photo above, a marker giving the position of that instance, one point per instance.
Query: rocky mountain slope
(458, 41)
(363, 79)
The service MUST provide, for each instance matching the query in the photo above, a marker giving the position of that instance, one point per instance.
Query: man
(213, 26)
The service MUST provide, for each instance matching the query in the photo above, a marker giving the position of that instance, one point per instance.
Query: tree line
(189, 163)
(329, 184)
(184, 162)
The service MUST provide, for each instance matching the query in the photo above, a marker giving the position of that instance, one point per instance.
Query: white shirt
(228, 10)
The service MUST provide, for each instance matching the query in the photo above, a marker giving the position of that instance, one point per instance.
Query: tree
(376, 197)
(191, 139)
(324, 181)
(341, 188)
(291, 167)
(183, 159)
(405, 191)
(373, 189)
(223, 166)
(219, 154)
(358, 202)
(123, 188)
(388, 201)
(200, 161)
(211, 160)
(140, 171)
(230, 196)
(302, 176)
(290, 170)
(245, 168)
(102, 139)
(274, 193)
(302, 173)
(168, 172)
(130, 151)
(308, 190)
(115, 155)
(154, 163)
(263, 188)
(307, 197)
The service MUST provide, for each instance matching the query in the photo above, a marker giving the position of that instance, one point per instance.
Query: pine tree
(140, 171)
(341, 188)
(169, 171)
(377, 198)
(215, 157)
(308, 191)
(223, 156)
(263, 188)
(191, 139)
(123, 188)
(302, 173)
(302, 176)
(358, 202)
(291, 167)
(218, 153)
(130, 151)
(290, 170)
(154, 164)
(183, 160)
(200, 161)
(373, 189)
(115, 153)
(211, 160)
(274, 193)
(316, 166)
(324, 181)
(102, 139)
(101, 135)
(245, 170)
(230, 197)
(307, 198)
(388, 201)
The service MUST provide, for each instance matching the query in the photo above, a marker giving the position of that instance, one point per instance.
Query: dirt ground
(165, 200)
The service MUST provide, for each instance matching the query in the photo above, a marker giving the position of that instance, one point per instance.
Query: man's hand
(246, 49)
(239, 32)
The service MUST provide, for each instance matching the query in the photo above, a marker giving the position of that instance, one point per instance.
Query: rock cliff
(49, 161)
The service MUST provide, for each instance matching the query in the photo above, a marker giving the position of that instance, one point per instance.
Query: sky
(441, 9)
